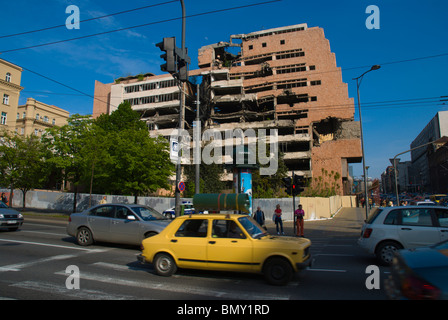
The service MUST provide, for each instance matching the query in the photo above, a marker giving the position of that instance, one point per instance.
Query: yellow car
(225, 242)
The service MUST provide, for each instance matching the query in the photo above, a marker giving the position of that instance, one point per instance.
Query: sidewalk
(347, 222)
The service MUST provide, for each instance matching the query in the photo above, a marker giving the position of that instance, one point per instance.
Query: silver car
(9, 218)
(118, 223)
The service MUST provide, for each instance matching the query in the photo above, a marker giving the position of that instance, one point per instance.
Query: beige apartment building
(283, 78)
(35, 117)
(10, 78)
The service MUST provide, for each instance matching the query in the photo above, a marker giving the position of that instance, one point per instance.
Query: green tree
(66, 144)
(22, 163)
(136, 163)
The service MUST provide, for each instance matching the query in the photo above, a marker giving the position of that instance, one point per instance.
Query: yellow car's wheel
(164, 265)
(278, 271)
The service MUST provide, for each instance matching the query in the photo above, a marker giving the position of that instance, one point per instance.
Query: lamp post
(358, 84)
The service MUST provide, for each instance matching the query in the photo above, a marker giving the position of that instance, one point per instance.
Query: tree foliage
(22, 163)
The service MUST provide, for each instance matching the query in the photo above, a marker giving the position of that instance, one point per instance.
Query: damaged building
(286, 78)
(283, 78)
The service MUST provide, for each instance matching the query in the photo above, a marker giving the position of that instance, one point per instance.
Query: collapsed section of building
(284, 78)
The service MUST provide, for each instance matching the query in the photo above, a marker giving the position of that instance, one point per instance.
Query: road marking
(19, 266)
(55, 245)
(326, 270)
(179, 288)
(83, 294)
(49, 233)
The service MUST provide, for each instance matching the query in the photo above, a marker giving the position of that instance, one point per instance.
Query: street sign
(174, 149)
(181, 186)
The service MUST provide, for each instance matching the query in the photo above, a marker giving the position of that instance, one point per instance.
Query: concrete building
(157, 98)
(435, 129)
(284, 78)
(34, 117)
(10, 78)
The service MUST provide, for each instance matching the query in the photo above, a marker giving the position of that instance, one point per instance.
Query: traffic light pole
(181, 122)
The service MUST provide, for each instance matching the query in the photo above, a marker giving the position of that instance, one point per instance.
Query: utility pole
(177, 61)
(181, 119)
(198, 141)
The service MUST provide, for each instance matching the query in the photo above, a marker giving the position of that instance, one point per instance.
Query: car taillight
(367, 233)
(417, 289)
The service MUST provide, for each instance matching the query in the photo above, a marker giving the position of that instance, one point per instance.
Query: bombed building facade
(284, 78)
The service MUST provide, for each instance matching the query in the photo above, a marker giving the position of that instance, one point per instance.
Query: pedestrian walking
(277, 217)
(259, 217)
(300, 214)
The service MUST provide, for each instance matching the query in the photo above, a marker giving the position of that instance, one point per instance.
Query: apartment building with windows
(157, 98)
(35, 117)
(10, 79)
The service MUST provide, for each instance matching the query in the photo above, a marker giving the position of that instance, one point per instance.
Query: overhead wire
(87, 20)
(138, 26)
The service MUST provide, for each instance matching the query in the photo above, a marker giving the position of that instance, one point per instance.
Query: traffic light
(298, 185)
(287, 182)
(177, 60)
(169, 46)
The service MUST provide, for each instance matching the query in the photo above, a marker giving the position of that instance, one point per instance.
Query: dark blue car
(419, 274)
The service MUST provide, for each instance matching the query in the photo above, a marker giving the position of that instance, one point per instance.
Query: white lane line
(19, 266)
(54, 245)
(83, 294)
(48, 233)
(179, 288)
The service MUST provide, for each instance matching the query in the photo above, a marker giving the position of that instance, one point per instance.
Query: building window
(282, 41)
(36, 132)
(8, 77)
(37, 116)
(6, 99)
(316, 83)
(18, 116)
(24, 115)
(251, 47)
(3, 118)
(54, 122)
(46, 119)
(264, 45)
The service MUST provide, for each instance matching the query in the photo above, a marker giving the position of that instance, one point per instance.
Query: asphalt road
(34, 262)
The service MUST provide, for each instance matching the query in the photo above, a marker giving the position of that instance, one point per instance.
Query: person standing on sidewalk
(278, 219)
(299, 213)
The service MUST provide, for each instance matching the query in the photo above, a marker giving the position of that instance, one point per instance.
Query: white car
(390, 229)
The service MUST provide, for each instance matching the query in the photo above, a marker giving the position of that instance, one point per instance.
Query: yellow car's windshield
(252, 227)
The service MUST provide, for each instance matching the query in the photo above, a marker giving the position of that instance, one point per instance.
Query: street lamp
(358, 83)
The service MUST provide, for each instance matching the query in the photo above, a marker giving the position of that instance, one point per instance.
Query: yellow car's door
(229, 248)
(189, 244)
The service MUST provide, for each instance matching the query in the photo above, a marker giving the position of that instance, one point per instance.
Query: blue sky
(408, 30)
